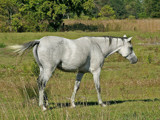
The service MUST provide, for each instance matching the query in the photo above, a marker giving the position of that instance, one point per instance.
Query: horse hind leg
(40, 81)
(45, 75)
(40, 88)
(76, 87)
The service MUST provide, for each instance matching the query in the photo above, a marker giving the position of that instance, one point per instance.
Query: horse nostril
(133, 60)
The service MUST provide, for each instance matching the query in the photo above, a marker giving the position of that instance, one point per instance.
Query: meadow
(131, 92)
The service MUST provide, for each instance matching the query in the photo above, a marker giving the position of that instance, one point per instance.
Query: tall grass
(143, 25)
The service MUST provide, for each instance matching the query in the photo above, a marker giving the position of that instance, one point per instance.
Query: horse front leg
(76, 87)
(96, 77)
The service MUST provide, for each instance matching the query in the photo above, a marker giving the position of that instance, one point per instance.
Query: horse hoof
(73, 106)
(47, 104)
(44, 108)
(103, 105)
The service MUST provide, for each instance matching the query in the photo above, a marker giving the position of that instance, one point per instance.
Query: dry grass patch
(143, 25)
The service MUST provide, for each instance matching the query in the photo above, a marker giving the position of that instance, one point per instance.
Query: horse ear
(129, 39)
(124, 36)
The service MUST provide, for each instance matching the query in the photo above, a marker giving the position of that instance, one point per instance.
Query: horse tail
(21, 48)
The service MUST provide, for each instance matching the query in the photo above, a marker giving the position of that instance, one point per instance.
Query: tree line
(131, 8)
(48, 15)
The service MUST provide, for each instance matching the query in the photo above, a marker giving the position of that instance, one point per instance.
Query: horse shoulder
(97, 58)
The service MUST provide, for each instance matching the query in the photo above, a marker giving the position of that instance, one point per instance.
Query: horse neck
(109, 45)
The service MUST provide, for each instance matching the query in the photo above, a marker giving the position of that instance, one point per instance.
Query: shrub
(101, 28)
(131, 17)
(80, 26)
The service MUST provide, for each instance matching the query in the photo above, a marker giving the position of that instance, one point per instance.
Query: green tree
(47, 15)
(107, 11)
(133, 8)
(39, 15)
(152, 8)
(8, 8)
(119, 8)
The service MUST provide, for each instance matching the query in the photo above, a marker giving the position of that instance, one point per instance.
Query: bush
(131, 17)
(142, 15)
(101, 28)
(80, 26)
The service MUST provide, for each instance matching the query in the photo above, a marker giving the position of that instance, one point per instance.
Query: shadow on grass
(61, 105)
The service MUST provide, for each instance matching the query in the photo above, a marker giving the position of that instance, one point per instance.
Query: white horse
(85, 54)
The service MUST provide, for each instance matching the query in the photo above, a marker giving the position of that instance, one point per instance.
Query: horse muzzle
(132, 58)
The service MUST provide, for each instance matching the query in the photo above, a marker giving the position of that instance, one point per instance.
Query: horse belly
(74, 64)
(67, 67)
(85, 67)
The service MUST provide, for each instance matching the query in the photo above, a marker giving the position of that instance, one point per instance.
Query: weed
(149, 58)
(2, 45)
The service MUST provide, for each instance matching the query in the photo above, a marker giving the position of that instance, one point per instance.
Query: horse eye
(131, 48)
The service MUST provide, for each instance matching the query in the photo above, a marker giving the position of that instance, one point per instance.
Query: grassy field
(132, 92)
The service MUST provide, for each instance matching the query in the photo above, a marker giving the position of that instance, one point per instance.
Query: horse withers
(85, 54)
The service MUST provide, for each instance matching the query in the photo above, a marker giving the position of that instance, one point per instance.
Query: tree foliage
(152, 8)
(137, 8)
(7, 9)
(119, 8)
(133, 7)
(41, 15)
(48, 15)
(107, 11)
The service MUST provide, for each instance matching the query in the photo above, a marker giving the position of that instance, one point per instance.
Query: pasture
(131, 91)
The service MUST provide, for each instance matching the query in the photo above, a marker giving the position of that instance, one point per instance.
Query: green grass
(2, 45)
(132, 92)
